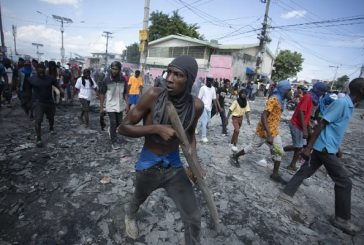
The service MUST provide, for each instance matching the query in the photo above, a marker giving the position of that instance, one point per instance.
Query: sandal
(234, 161)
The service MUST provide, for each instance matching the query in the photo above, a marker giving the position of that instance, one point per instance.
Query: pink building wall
(220, 66)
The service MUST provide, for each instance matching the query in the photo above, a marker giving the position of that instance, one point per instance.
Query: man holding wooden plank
(159, 164)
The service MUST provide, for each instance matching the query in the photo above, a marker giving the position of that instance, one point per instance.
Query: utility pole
(107, 35)
(361, 71)
(37, 45)
(62, 20)
(263, 38)
(333, 80)
(143, 37)
(276, 52)
(3, 47)
(14, 35)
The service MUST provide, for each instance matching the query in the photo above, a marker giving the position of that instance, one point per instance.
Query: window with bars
(159, 52)
(196, 52)
(170, 52)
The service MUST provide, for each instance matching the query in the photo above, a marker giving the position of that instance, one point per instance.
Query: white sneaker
(234, 148)
(131, 227)
(204, 140)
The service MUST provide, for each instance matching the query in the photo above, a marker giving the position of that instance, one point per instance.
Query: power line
(205, 16)
(321, 22)
(230, 34)
(345, 31)
(306, 24)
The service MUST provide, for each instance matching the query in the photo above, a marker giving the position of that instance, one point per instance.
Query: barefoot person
(159, 165)
(323, 149)
(299, 124)
(268, 129)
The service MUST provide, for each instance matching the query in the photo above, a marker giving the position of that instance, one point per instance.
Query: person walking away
(113, 100)
(42, 101)
(207, 94)
(196, 86)
(323, 148)
(159, 164)
(268, 129)
(84, 86)
(66, 78)
(7, 92)
(135, 86)
(160, 81)
(3, 81)
(238, 109)
(52, 71)
(300, 122)
(254, 89)
(221, 93)
(266, 88)
(24, 88)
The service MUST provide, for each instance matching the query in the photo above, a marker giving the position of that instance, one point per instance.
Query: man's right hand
(270, 139)
(305, 133)
(166, 132)
(306, 152)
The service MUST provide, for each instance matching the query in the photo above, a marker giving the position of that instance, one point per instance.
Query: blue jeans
(204, 120)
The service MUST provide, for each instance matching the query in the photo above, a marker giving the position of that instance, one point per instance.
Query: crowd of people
(317, 126)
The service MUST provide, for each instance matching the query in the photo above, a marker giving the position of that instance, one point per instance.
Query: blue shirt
(338, 116)
(148, 159)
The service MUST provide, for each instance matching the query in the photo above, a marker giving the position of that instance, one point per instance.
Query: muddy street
(72, 191)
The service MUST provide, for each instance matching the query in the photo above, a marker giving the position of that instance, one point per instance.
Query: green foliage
(131, 54)
(287, 64)
(340, 82)
(163, 25)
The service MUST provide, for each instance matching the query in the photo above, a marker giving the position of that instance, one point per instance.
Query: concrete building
(217, 60)
(98, 59)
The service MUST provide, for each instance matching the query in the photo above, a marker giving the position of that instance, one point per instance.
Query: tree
(340, 82)
(287, 64)
(131, 54)
(163, 25)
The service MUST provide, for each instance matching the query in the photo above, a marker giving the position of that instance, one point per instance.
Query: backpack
(66, 77)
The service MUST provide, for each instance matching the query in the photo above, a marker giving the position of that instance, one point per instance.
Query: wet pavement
(72, 190)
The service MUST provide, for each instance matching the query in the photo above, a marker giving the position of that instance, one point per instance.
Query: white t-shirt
(114, 100)
(85, 91)
(207, 94)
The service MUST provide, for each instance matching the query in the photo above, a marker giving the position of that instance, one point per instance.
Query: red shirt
(305, 105)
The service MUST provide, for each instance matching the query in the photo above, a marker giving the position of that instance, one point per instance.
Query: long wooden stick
(192, 162)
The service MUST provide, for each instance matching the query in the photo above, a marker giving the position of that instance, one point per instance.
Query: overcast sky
(334, 44)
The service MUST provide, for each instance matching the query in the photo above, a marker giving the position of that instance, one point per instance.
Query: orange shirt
(274, 118)
(135, 84)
